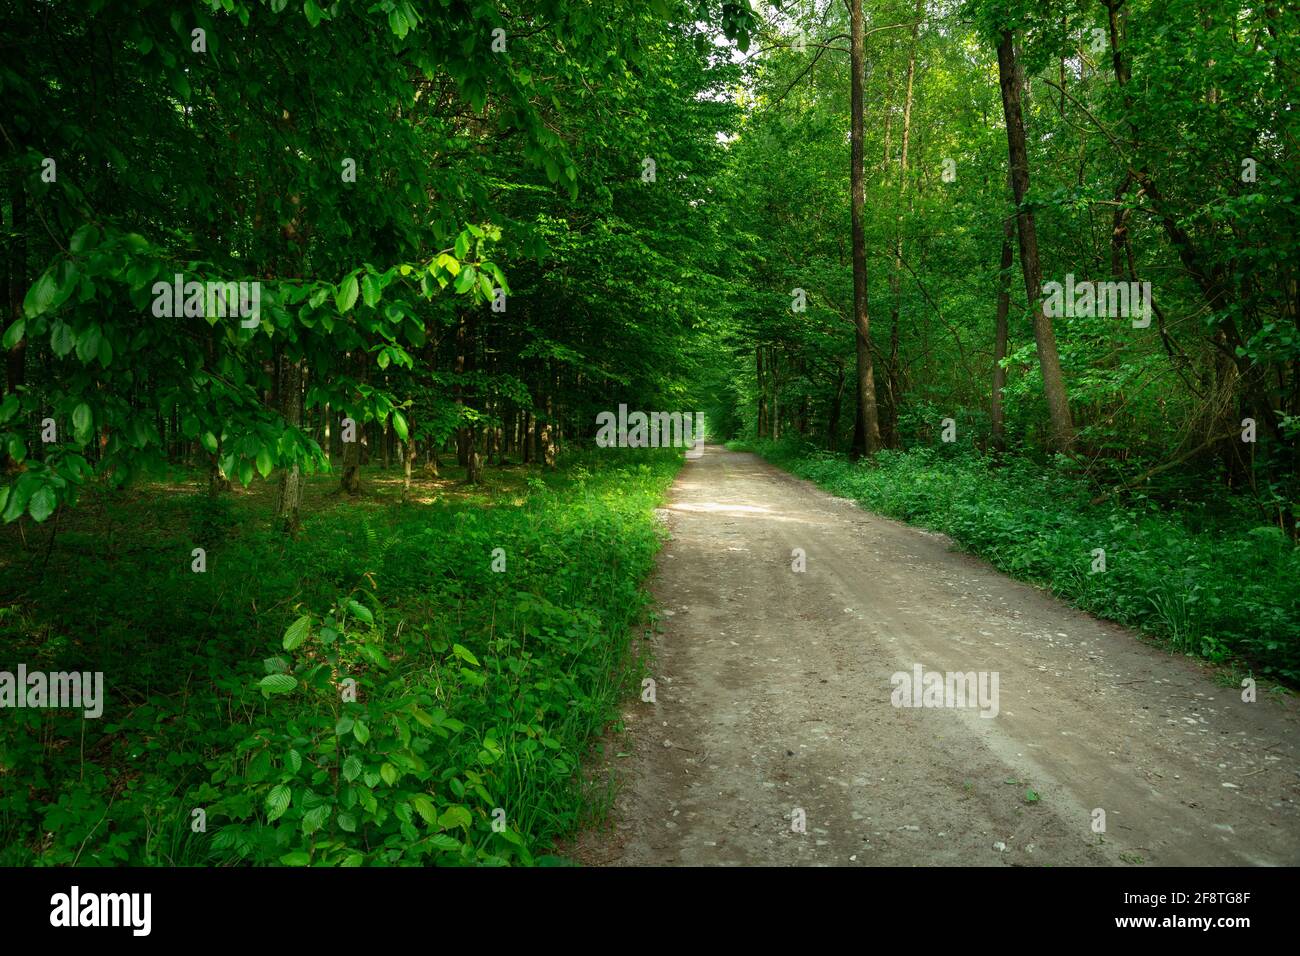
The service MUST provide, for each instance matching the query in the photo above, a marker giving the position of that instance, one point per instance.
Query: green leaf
(40, 297)
(346, 296)
(464, 654)
(264, 464)
(277, 801)
(352, 768)
(360, 611)
(17, 502)
(370, 290)
(455, 816)
(389, 773)
(297, 632)
(276, 684)
(82, 422)
(361, 732)
(42, 503)
(423, 805)
(209, 442)
(315, 818)
(465, 281)
(62, 339)
(296, 858)
(14, 334)
(85, 238)
(399, 425)
(88, 345)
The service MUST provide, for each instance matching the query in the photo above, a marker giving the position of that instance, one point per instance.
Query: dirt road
(773, 707)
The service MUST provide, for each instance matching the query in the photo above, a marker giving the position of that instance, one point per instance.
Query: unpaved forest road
(773, 693)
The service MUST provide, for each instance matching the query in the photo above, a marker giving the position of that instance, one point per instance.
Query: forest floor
(773, 692)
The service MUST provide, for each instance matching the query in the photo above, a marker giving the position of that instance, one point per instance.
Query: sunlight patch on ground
(716, 506)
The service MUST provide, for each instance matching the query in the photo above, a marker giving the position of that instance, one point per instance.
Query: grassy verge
(1225, 590)
(403, 683)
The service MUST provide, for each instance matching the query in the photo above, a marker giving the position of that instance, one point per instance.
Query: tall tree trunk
(548, 434)
(868, 441)
(408, 461)
(291, 478)
(1011, 81)
(473, 460)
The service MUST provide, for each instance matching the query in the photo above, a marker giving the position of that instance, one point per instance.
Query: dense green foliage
(1140, 176)
(476, 689)
(475, 226)
(463, 218)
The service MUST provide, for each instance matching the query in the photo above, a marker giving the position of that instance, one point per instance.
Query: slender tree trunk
(473, 460)
(291, 478)
(869, 437)
(408, 462)
(1049, 360)
(548, 434)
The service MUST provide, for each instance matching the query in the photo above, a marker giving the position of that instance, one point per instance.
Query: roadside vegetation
(478, 691)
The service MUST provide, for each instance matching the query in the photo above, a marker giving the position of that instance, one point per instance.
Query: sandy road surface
(773, 697)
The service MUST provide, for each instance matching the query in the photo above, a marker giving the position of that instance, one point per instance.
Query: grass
(230, 735)
(1220, 587)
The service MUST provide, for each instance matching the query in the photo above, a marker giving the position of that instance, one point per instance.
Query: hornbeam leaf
(346, 296)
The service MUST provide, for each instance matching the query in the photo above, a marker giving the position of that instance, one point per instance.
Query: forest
(320, 316)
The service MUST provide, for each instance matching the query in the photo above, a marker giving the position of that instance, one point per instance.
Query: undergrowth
(371, 692)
